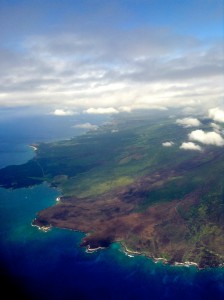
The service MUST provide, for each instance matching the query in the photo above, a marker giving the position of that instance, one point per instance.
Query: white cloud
(101, 110)
(190, 146)
(216, 114)
(167, 144)
(188, 122)
(208, 138)
(62, 112)
(86, 126)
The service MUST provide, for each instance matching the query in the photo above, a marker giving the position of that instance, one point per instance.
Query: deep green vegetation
(121, 184)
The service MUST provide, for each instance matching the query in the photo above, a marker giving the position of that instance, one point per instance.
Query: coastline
(128, 252)
(92, 250)
(131, 253)
(41, 228)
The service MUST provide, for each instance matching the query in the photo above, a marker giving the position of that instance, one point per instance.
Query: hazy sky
(102, 56)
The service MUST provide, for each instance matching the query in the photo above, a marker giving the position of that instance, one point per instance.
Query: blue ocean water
(51, 265)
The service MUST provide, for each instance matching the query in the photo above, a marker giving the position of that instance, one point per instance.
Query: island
(130, 182)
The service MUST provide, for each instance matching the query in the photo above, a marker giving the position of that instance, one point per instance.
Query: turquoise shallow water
(51, 265)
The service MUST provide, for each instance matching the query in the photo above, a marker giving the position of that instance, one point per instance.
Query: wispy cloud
(216, 127)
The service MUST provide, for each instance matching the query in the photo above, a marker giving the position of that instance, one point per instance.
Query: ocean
(51, 265)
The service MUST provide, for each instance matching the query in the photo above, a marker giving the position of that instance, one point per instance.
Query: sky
(66, 57)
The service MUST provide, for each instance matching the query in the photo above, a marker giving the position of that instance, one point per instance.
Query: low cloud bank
(207, 138)
(190, 146)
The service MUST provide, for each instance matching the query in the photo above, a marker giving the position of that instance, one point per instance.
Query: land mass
(121, 184)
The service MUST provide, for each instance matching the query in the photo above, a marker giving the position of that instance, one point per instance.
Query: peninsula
(133, 182)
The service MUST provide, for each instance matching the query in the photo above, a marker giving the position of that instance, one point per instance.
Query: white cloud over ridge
(190, 146)
(188, 122)
(216, 114)
(207, 138)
